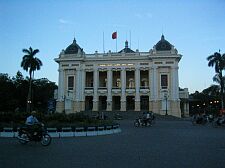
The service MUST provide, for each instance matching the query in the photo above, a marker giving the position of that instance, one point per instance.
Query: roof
(163, 45)
(73, 48)
(126, 49)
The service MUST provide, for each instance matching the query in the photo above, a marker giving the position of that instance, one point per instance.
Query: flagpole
(116, 41)
(103, 43)
(130, 39)
(138, 43)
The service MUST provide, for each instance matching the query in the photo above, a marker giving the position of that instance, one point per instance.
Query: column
(175, 83)
(109, 89)
(123, 90)
(61, 86)
(78, 85)
(155, 104)
(151, 83)
(82, 95)
(137, 89)
(175, 102)
(60, 104)
(95, 98)
(78, 90)
(151, 87)
(155, 80)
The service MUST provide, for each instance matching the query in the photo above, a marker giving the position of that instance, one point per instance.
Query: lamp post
(166, 98)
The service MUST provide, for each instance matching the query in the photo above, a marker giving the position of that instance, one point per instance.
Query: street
(165, 144)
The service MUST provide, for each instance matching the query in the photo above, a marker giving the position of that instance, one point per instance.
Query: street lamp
(166, 98)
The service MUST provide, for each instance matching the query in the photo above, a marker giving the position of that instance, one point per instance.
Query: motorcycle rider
(146, 118)
(199, 118)
(32, 123)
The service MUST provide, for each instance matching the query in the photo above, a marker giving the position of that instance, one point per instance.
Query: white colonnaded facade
(121, 81)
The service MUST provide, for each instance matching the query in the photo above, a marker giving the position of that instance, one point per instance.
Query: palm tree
(218, 61)
(31, 64)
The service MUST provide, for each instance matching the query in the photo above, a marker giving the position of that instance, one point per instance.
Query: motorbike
(40, 135)
(200, 119)
(142, 122)
(219, 122)
(210, 118)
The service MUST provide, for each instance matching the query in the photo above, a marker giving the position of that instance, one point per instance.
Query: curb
(69, 132)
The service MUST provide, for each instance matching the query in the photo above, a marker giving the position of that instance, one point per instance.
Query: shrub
(58, 120)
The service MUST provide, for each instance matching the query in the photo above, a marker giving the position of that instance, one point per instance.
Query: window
(70, 83)
(89, 79)
(144, 83)
(164, 81)
(131, 83)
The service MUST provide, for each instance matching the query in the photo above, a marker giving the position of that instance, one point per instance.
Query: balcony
(102, 90)
(130, 90)
(116, 90)
(144, 89)
(89, 90)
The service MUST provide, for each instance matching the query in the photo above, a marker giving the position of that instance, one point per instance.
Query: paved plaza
(169, 143)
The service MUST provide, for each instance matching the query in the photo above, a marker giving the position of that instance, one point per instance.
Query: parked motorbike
(210, 118)
(40, 135)
(200, 119)
(142, 122)
(219, 122)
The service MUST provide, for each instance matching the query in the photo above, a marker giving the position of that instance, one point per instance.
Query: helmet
(33, 112)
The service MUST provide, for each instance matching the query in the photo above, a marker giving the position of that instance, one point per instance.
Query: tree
(30, 63)
(22, 86)
(218, 61)
(213, 91)
(7, 93)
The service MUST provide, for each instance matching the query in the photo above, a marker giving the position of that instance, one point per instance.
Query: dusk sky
(195, 27)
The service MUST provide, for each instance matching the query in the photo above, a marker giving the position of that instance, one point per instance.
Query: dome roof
(126, 49)
(163, 45)
(73, 48)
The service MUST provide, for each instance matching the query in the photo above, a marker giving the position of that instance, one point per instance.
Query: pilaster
(76, 106)
(154, 85)
(123, 90)
(61, 85)
(109, 89)
(137, 89)
(123, 87)
(123, 106)
(175, 83)
(95, 98)
(78, 84)
(95, 106)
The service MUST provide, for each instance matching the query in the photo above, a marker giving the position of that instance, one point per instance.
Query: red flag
(114, 35)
